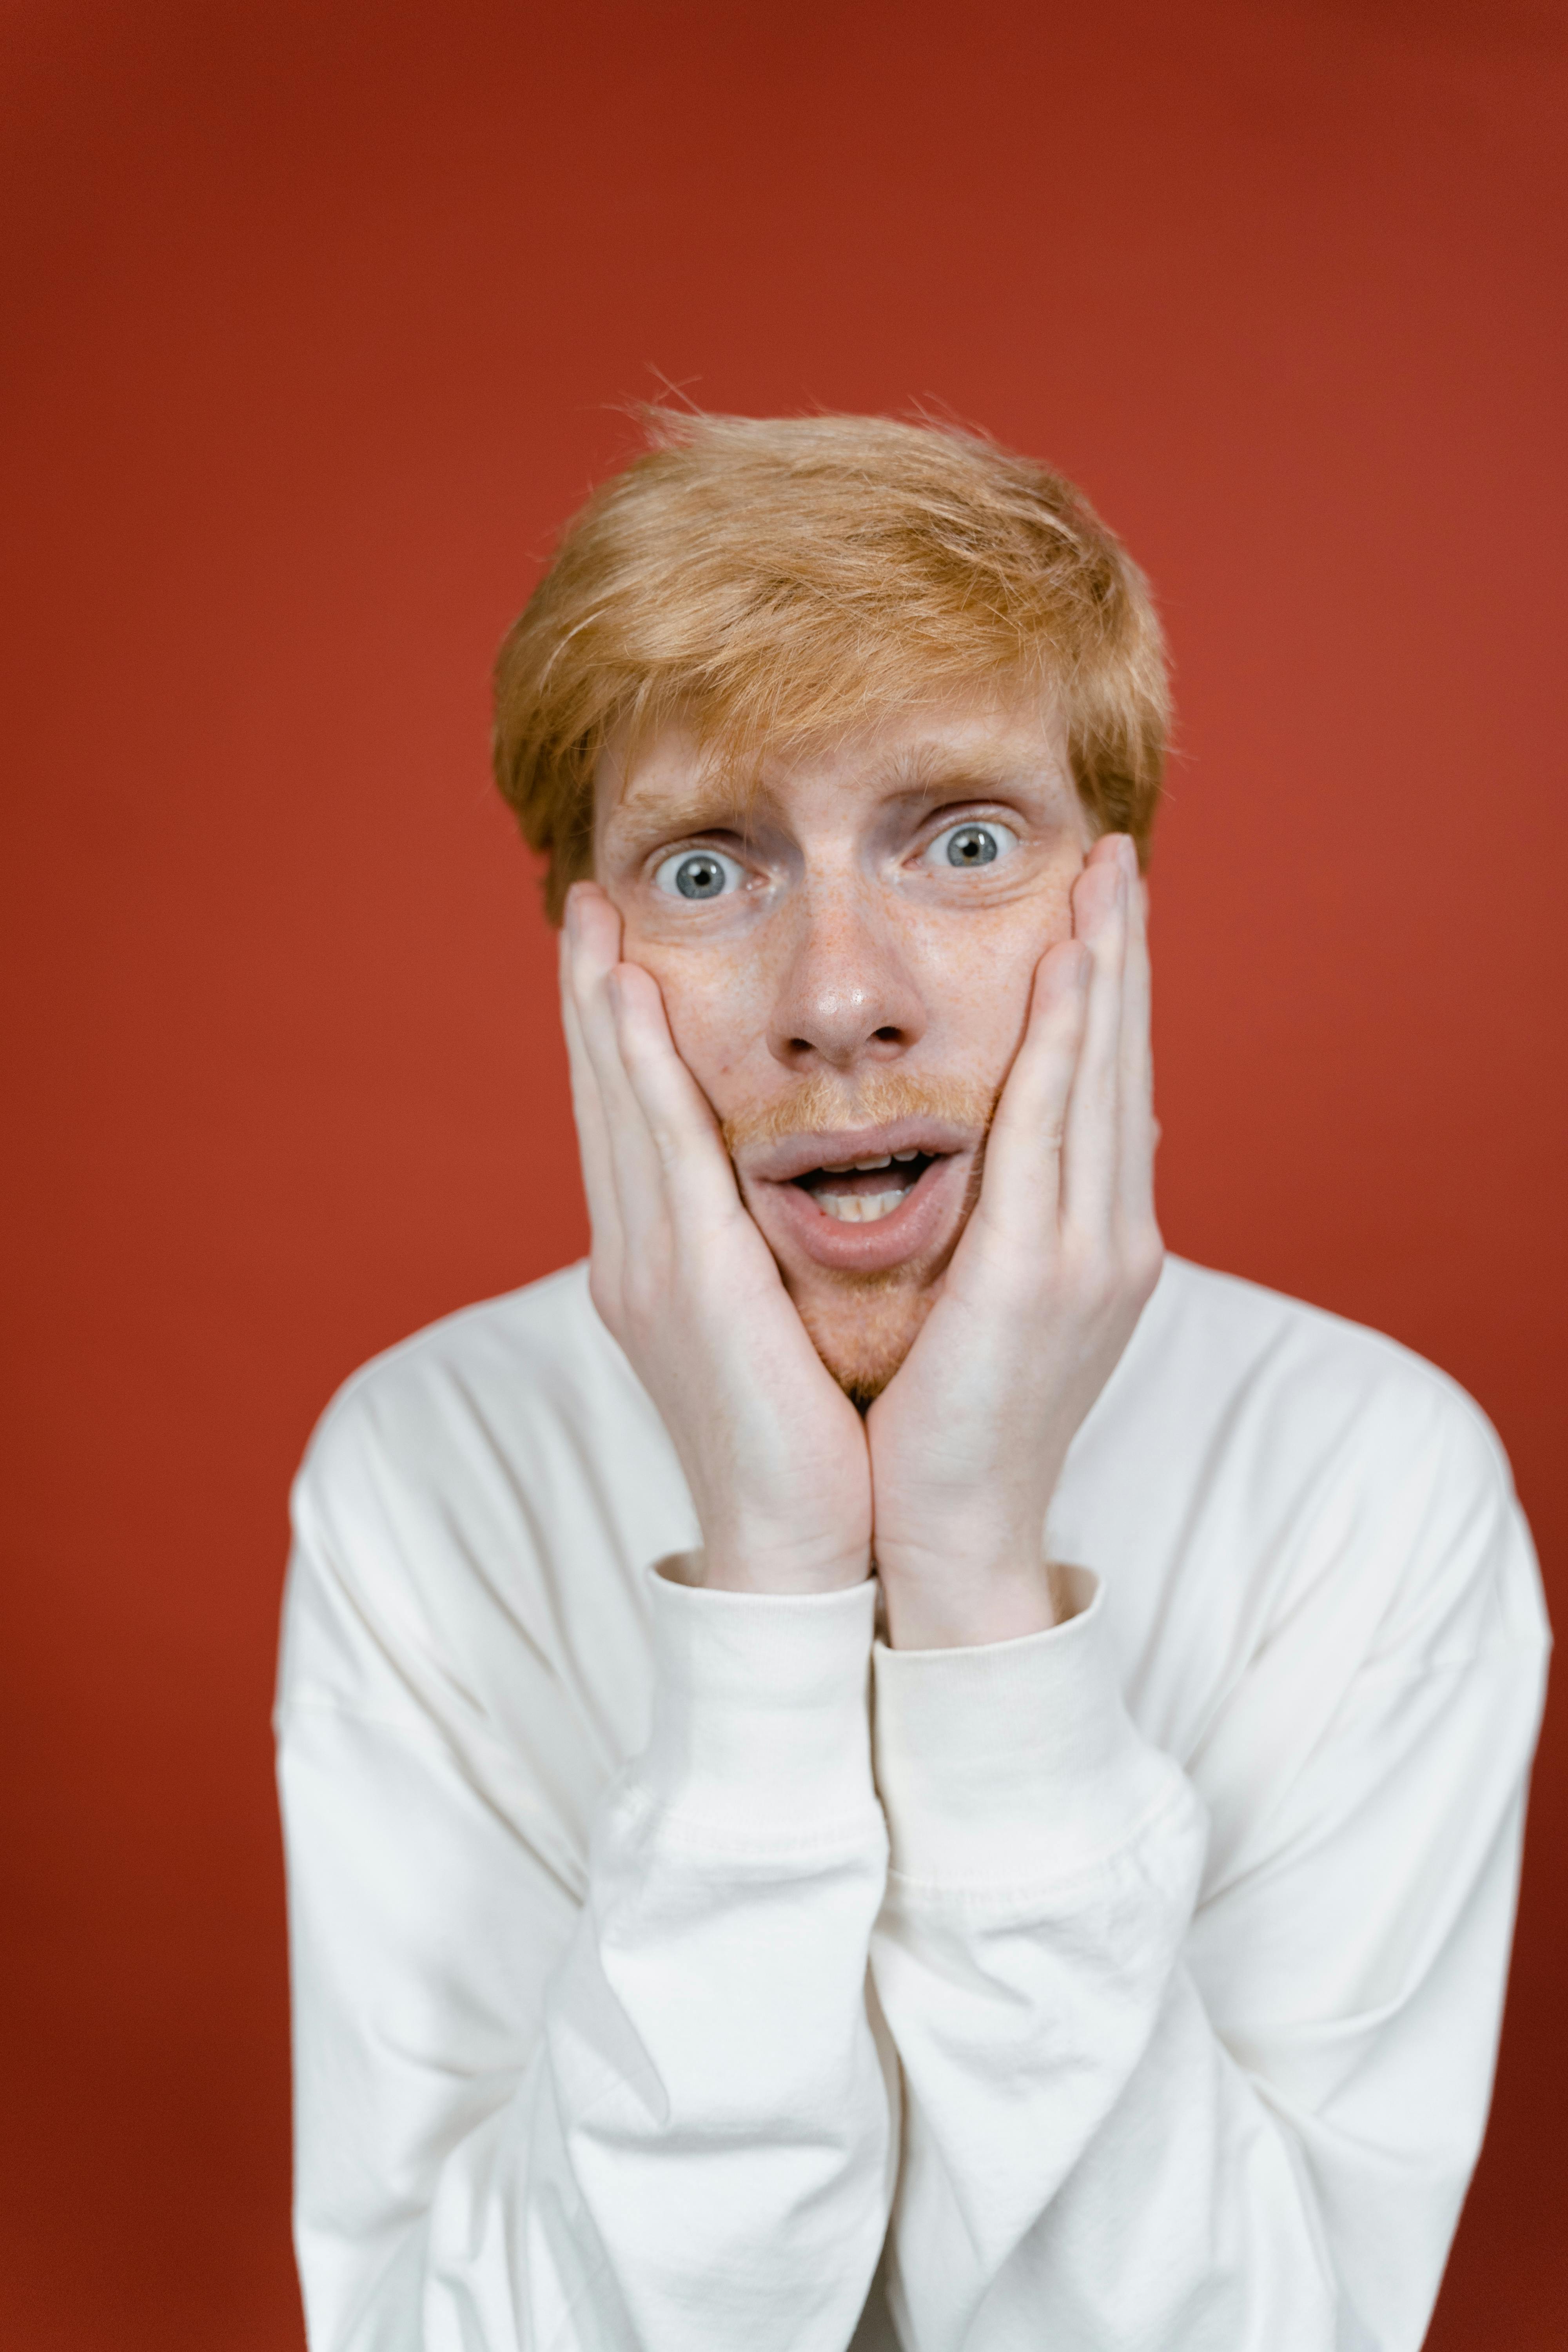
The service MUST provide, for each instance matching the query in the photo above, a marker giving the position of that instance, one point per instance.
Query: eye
(697, 874)
(978, 841)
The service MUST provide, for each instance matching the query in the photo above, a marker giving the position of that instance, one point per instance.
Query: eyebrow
(712, 803)
(926, 771)
(717, 800)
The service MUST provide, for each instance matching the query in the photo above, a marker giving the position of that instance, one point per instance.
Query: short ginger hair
(774, 581)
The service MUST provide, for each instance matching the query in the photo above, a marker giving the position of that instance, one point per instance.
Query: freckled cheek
(980, 1017)
(715, 1010)
(977, 981)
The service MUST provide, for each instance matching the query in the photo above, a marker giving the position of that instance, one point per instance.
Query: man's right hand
(773, 1452)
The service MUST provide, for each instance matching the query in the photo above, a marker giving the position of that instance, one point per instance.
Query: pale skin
(923, 903)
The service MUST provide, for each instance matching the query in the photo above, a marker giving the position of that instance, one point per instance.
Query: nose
(846, 996)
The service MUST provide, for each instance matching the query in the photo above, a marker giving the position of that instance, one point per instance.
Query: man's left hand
(1054, 1268)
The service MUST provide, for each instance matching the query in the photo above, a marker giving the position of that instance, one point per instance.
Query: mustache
(828, 1105)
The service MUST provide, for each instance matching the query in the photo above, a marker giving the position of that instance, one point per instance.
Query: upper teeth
(854, 1166)
(860, 1208)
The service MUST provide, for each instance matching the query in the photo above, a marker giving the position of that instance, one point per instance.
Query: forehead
(674, 783)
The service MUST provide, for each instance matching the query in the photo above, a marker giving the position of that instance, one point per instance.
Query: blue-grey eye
(978, 841)
(697, 874)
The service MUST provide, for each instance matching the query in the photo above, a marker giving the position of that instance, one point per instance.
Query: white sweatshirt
(660, 1954)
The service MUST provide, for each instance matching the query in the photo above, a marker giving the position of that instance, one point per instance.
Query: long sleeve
(1177, 1938)
(697, 2149)
(1154, 2103)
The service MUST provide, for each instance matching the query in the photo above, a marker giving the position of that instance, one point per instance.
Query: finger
(593, 952)
(588, 1104)
(669, 1169)
(1021, 1187)
(593, 1136)
(1138, 1131)
(593, 926)
(1091, 1145)
(680, 1118)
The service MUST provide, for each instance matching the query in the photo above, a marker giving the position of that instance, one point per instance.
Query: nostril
(887, 1037)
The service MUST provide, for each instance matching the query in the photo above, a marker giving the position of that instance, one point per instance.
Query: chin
(863, 1327)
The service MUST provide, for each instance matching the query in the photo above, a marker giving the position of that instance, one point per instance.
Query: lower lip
(909, 1231)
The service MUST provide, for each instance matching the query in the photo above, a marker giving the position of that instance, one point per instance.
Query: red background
(320, 316)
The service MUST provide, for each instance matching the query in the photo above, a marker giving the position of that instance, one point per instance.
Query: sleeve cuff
(761, 1715)
(1014, 1764)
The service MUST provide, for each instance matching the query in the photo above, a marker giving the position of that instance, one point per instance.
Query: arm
(1140, 2112)
(689, 2142)
(1136, 2116)
(528, 2122)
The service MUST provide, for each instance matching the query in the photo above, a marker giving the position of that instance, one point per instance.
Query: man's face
(846, 953)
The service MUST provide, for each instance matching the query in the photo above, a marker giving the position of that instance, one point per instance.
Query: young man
(879, 1765)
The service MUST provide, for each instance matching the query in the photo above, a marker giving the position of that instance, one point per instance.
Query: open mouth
(863, 1192)
(862, 1202)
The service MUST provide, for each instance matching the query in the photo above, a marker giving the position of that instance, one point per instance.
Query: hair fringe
(767, 580)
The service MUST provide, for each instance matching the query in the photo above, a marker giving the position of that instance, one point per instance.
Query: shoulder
(472, 1514)
(488, 1411)
(1313, 1380)
(1331, 1459)
(526, 1347)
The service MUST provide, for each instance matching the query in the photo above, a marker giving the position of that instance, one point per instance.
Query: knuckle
(1085, 1280)
(1145, 1261)
(1099, 1288)
(641, 1295)
(605, 1292)
(667, 1144)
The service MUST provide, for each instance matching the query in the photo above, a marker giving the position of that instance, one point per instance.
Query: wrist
(959, 1605)
(736, 1564)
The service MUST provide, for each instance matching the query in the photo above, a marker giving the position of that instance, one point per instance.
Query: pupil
(699, 877)
(972, 845)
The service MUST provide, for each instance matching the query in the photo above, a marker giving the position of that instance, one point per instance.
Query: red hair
(773, 580)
